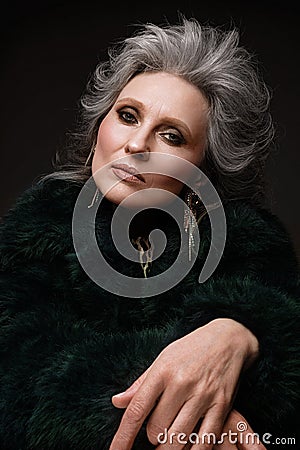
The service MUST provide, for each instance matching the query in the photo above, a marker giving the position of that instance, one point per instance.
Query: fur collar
(39, 227)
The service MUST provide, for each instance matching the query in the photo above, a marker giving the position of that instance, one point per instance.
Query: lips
(130, 170)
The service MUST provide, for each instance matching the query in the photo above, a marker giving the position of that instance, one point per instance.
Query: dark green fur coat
(67, 345)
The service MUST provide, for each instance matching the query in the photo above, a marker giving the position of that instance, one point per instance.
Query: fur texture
(67, 345)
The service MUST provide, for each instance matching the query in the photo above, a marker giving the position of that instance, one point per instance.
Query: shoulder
(255, 237)
(39, 219)
(258, 241)
(244, 220)
(256, 226)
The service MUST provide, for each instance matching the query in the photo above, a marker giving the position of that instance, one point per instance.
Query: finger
(238, 431)
(168, 407)
(123, 399)
(223, 443)
(251, 445)
(180, 434)
(248, 440)
(188, 446)
(211, 428)
(225, 446)
(136, 412)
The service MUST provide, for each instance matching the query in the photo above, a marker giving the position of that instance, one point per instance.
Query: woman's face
(156, 112)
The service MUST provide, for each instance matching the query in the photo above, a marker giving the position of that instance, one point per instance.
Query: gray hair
(240, 127)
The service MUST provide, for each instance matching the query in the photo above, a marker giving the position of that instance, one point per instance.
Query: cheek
(181, 172)
(173, 185)
(165, 182)
(177, 170)
(107, 139)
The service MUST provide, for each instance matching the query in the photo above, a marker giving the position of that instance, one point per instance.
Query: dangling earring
(96, 195)
(190, 218)
(95, 198)
(89, 156)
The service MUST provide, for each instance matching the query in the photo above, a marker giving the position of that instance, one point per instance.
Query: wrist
(243, 340)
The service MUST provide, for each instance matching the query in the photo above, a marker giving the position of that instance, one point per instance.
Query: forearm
(58, 380)
(271, 383)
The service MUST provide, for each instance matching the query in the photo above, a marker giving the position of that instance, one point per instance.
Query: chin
(142, 199)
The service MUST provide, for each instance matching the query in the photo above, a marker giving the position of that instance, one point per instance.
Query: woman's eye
(127, 117)
(173, 138)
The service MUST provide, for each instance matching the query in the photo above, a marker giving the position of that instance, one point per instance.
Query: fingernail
(119, 395)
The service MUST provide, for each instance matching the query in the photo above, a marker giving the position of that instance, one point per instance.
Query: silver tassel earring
(190, 219)
(96, 195)
(95, 198)
(89, 156)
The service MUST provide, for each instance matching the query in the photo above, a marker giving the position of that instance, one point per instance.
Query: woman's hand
(194, 377)
(237, 434)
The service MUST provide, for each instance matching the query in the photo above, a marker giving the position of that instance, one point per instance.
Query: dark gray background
(49, 49)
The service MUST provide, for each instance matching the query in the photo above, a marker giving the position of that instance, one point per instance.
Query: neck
(144, 221)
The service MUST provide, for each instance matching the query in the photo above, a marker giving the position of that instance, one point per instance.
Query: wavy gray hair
(240, 127)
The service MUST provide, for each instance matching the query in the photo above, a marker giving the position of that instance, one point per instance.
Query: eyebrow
(130, 99)
(170, 120)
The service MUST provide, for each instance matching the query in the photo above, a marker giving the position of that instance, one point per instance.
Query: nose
(139, 144)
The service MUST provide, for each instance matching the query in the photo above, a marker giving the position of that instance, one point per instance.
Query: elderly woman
(85, 366)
